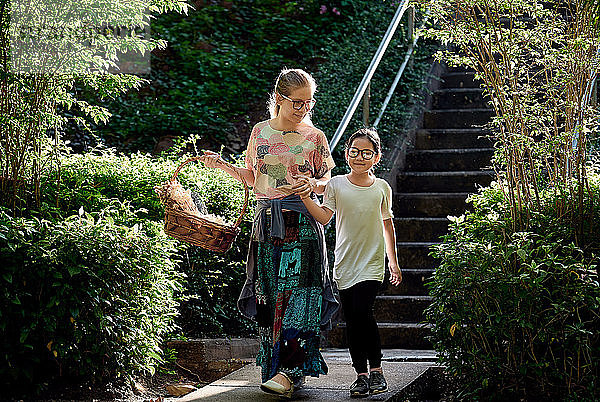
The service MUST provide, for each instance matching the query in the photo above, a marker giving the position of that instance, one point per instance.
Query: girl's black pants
(361, 327)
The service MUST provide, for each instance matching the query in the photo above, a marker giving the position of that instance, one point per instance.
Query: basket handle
(240, 177)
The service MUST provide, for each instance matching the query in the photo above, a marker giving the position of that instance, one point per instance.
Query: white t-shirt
(359, 215)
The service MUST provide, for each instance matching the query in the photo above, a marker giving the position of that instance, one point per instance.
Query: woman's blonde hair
(290, 79)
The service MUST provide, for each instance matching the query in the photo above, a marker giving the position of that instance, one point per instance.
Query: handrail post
(594, 100)
(366, 99)
(411, 23)
(411, 29)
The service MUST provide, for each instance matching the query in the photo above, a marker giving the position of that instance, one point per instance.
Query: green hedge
(92, 287)
(516, 314)
(84, 297)
(223, 59)
(214, 280)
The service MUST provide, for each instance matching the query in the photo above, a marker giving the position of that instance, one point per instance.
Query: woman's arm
(320, 184)
(213, 160)
(306, 185)
(390, 248)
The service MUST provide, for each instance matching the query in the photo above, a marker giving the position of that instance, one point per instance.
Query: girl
(287, 290)
(362, 206)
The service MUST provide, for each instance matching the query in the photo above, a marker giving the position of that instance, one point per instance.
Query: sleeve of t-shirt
(386, 204)
(251, 150)
(329, 196)
(321, 156)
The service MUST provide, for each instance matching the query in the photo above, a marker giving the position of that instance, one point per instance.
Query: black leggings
(361, 327)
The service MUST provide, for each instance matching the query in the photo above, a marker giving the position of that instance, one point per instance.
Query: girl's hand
(395, 274)
(304, 186)
(211, 159)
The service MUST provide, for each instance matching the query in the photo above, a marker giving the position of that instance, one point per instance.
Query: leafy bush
(94, 179)
(84, 297)
(515, 314)
(223, 58)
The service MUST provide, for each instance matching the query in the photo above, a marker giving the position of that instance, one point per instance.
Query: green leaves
(105, 294)
(536, 61)
(519, 309)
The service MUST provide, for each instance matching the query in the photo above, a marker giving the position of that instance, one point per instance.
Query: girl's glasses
(298, 104)
(365, 153)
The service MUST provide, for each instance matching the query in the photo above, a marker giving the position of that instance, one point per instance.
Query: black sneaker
(360, 387)
(377, 383)
(299, 382)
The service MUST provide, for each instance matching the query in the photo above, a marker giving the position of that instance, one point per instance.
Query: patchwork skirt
(288, 300)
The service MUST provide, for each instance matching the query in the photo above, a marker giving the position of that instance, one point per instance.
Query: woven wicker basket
(199, 231)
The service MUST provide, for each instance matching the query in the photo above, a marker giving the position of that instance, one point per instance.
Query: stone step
(429, 204)
(413, 283)
(415, 255)
(393, 335)
(459, 69)
(401, 308)
(460, 79)
(441, 160)
(442, 182)
(211, 359)
(459, 98)
(456, 118)
(452, 138)
(419, 228)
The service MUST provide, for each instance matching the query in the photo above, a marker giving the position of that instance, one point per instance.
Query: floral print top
(275, 156)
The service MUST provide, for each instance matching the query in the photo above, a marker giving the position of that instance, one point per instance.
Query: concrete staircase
(447, 162)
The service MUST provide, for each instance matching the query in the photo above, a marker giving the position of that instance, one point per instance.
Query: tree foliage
(44, 47)
(537, 62)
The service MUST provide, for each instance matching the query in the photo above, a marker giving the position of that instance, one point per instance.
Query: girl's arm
(321, 214)
(213, 160)
(390, 248)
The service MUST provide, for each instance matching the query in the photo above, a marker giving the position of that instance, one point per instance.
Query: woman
(288, 290)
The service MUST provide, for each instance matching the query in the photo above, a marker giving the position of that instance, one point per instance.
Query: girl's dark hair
(368, 133)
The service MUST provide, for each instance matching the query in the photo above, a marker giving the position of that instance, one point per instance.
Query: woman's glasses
(298, 104)
(365, 153)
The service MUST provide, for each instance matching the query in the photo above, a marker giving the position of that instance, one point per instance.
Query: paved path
(401, 367)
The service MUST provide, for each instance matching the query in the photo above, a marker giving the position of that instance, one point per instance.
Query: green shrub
(84, 297)
(222, 60)
(94, 179)
(515, 314)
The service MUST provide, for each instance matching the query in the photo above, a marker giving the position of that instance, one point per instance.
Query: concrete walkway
(401, 367)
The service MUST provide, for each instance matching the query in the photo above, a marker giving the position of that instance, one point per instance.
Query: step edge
(458, 90)
(392, 325)
(404, 297)
(417, 243)
(469, 110)
(441, 130)
(449, 150)
(434, 194)
(485, 172)
(417, 271)
(422, 219)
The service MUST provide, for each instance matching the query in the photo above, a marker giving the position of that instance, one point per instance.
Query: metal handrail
(589, 97)
(409, 52)
(362, 87)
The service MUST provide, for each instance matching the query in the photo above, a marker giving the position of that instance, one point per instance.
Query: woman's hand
(211, 159)
(395, 274)
(304, 186)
